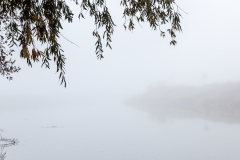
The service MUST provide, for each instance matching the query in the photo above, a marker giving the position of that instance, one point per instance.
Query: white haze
(89, 120)
(207, 46)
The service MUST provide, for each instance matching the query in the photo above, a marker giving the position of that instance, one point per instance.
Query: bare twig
(69, 41)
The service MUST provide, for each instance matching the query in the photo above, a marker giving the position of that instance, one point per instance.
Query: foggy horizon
(146, 99)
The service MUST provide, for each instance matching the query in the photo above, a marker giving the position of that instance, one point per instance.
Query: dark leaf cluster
(155, 12)
(26, 22)
(7, 65)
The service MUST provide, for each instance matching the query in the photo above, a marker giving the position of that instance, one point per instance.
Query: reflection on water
(4, 142)
(113, 131)
(216, 102)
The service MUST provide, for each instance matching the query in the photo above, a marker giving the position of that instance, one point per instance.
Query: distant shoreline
(215, 102)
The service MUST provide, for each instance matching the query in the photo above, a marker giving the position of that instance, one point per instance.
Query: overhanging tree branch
(27, 21)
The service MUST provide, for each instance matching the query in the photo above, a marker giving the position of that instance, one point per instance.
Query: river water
(114, 131)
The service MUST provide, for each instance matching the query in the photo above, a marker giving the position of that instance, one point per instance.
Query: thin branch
(180, 8)
(69, 40)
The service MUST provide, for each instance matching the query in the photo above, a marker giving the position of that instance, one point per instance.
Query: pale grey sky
(207, 46)
(85, 120)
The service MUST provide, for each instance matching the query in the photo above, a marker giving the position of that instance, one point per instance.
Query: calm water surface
(114, 132)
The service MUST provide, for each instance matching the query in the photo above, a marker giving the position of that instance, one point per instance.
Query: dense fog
(145, 100)
(215, 102)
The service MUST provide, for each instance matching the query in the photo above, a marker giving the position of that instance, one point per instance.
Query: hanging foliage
(25, 21)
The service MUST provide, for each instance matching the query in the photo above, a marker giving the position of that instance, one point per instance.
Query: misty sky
(86, 120)
(208, 46)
